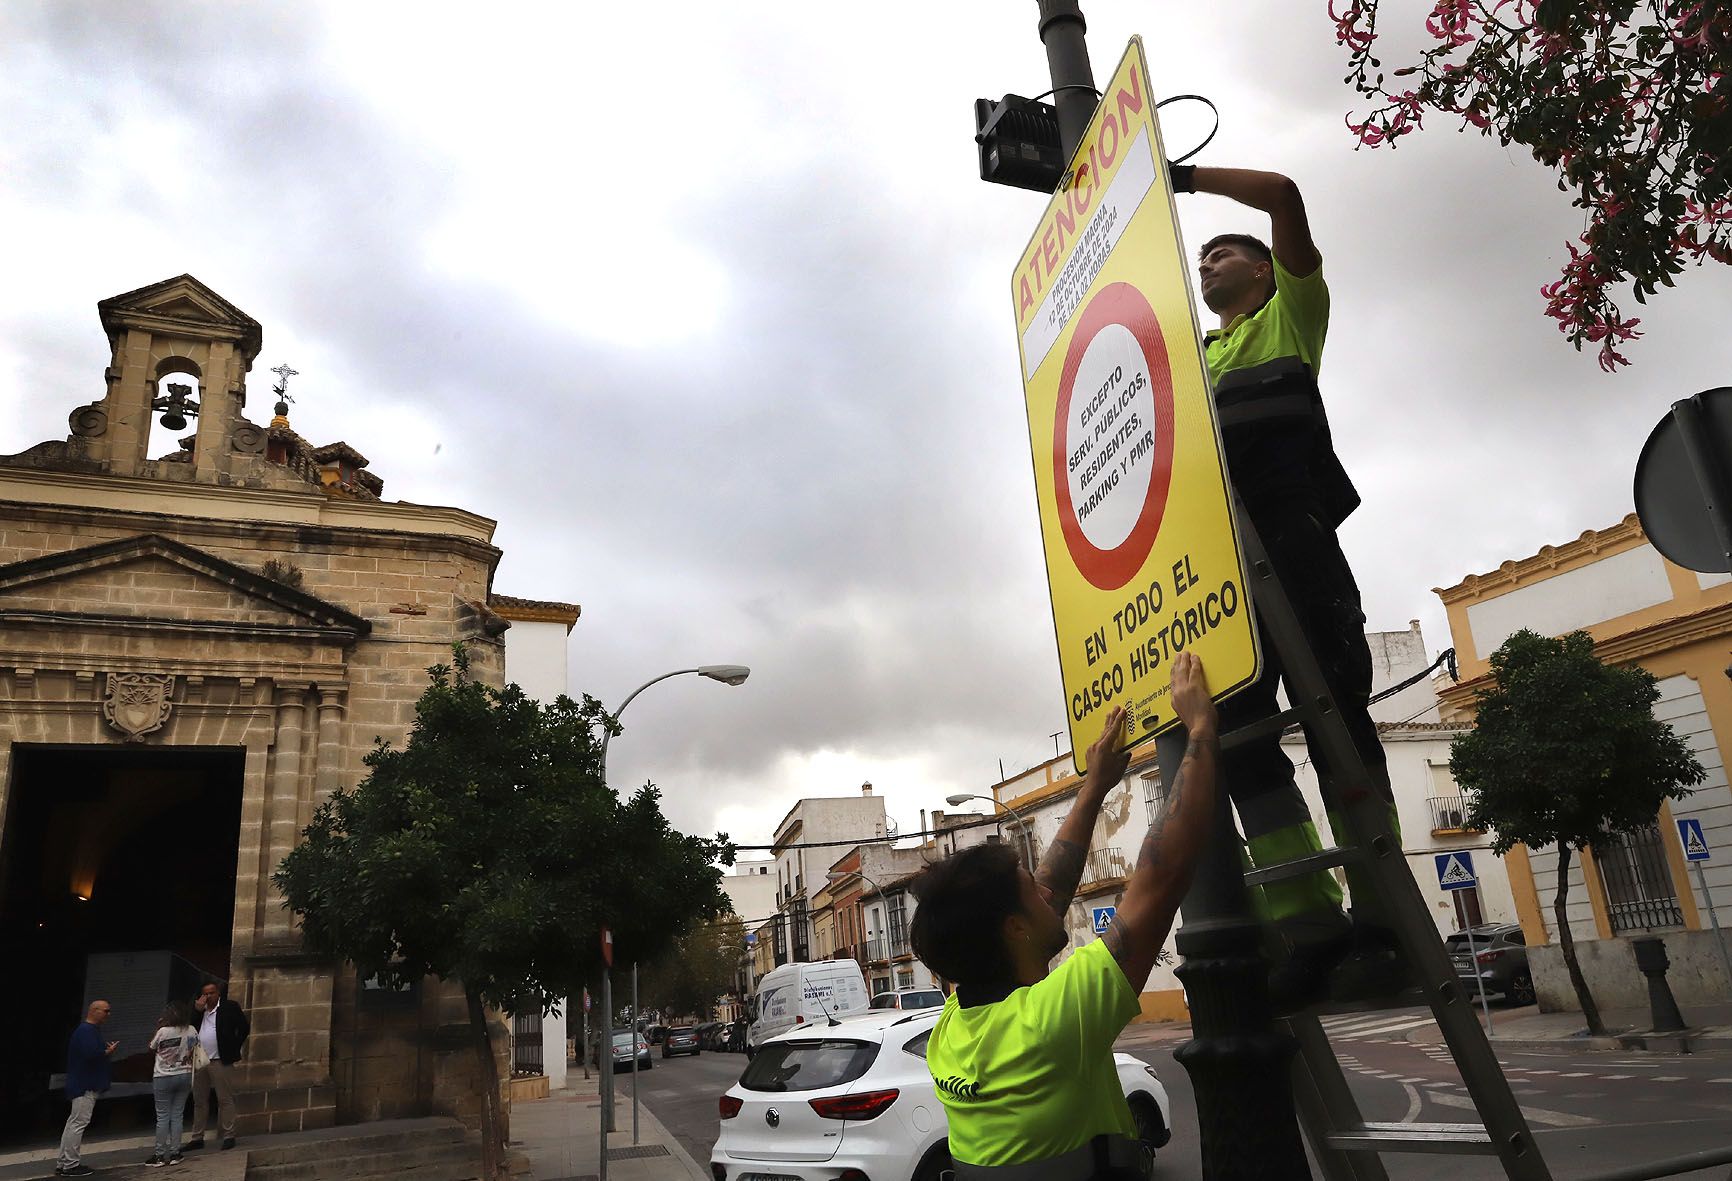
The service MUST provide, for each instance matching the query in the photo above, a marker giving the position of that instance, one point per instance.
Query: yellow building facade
(1640, 609)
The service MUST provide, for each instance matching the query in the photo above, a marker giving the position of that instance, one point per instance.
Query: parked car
(706, 1033)
(1498, 956)
(910, 998)
(655, 1033)
(681, 1039)
(798, 993)
(857, 1100)
(623, 1041)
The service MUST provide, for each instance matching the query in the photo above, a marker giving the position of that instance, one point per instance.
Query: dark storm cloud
(819, 467)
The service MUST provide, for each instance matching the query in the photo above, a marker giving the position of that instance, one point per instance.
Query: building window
(1638, 884)
(898, 926)
(905, 978)
(1153, 796)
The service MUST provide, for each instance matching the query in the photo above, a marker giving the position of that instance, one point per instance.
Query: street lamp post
(727, 674)
(956, 801)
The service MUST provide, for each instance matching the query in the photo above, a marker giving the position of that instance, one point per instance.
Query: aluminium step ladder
(1348, 1147)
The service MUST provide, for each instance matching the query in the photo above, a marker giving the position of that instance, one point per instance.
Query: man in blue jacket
(86, 1077)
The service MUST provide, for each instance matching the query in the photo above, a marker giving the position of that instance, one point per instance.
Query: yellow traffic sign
(1142, 555)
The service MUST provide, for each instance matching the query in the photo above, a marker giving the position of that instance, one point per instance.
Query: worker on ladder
(1022, 1058)
(1264, 359)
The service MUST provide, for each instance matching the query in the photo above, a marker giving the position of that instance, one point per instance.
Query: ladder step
(1471, 1139)
(1273, 724)
(1300, 866)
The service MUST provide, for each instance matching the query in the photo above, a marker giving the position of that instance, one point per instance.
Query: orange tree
(1629, 100)
(489, 851)
(1566, 751)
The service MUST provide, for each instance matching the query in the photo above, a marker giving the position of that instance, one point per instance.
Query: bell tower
(178, 328)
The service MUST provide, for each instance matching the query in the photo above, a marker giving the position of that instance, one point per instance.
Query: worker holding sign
(1263, 359)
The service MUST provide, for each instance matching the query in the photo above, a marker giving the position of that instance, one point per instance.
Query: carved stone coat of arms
(137, 703)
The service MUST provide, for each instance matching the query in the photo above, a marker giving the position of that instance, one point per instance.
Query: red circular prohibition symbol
(1117, 303)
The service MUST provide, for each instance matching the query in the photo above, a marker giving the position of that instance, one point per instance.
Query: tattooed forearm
(1061, 870)
(1164, 862)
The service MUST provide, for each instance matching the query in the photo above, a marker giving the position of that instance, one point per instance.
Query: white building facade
(536, 647)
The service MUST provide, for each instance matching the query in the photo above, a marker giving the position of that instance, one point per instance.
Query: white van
(804, 994)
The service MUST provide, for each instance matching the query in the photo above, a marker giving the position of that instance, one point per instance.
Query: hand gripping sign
(1142, 556)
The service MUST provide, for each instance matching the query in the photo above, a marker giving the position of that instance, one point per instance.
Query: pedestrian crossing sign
(1690, 836)
(1455, 870)
(1103, 916)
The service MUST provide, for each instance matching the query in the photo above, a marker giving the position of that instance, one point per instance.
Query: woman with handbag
(175, 1046)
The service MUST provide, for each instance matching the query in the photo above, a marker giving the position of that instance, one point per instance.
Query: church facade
(196, 649)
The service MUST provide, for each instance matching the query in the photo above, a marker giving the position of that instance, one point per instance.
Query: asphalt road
(1589, 1110)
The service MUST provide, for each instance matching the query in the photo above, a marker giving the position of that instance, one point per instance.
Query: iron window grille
(1637, 881)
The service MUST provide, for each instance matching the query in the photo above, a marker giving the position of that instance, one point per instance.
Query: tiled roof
(535, 610)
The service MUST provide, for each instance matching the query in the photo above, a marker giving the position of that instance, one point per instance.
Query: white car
(854, 1101)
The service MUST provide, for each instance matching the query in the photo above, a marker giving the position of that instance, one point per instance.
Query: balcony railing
(1449, 815)
(883, 948)
(1103, 866)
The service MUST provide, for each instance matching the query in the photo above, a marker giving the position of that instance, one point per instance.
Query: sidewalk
(560, 1137)
(1710, 1029)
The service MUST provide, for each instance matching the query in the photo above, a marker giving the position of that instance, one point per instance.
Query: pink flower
(1450, 20)
(1347, 30)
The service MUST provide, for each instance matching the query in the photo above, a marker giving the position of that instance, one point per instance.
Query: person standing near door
(87, 1077)
(223, 1030)
(171, 1079)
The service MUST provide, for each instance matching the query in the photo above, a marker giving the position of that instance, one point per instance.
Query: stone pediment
(151, 580)
(185, 306)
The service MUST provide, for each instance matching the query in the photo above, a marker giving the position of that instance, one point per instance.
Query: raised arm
(1170, 849)
(1275, 195)
(1061, 869)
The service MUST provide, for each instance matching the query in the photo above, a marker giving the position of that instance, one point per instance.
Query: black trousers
(1307, 558)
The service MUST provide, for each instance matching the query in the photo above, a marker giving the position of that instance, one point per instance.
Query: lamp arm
(606, 735)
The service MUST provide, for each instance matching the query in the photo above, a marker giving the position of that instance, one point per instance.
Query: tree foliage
(489, 851)
(698, 967)
(1566, 751)
(1629, 100)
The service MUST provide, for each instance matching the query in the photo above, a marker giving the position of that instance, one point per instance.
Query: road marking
(1415, 1080)
(1667, 1078)
(1579, 1074)
(1383, 1027)
(1613, 1076)
(1720, 1080)
(1414, 1102)
(1532, 1071)
(1538, 1115)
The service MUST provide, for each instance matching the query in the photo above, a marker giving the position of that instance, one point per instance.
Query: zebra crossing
(1386, 1025)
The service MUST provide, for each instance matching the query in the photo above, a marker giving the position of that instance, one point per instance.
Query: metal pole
(1714, 921)
(634, 1021)
(1239, 1062)
(1062, 30)
(604, 1060)
(1473, 959)
(583, 1045)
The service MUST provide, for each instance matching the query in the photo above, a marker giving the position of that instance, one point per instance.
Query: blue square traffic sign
(1455, 870)
(1103, 916)
(1690, 836)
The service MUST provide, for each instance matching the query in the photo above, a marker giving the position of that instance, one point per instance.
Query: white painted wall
(751, 888)
(535, 658)
(1577, 598)
(1681, 706)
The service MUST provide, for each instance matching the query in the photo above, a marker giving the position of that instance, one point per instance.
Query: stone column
(285, 809)
(328, 776)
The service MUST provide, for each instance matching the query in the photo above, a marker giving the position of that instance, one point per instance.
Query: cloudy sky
(707, 306)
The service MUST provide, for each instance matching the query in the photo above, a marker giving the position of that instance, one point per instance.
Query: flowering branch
(1628, 99)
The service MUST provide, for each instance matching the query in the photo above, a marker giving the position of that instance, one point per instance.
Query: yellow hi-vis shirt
(1032, 1075)
(1292, 324)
